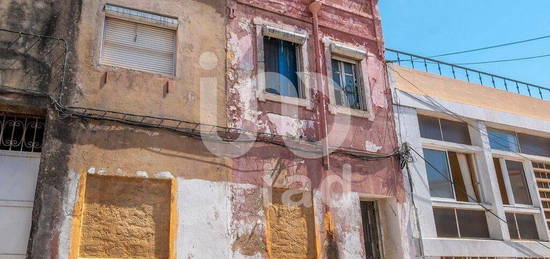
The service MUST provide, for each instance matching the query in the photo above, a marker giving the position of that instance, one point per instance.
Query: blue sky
(431, 27)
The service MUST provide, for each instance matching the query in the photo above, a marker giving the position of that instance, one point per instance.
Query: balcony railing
(467, 74)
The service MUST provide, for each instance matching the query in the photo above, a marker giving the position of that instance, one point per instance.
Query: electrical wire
(504, 60)
(490, 47)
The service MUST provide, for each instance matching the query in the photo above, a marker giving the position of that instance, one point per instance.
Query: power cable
(490, 47)
(504, 60)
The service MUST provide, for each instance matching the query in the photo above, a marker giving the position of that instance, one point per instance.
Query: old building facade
(198, 129)
(479, 159)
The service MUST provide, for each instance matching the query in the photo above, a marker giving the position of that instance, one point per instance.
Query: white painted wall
(500, 245)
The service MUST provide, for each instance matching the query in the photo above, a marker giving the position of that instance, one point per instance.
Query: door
(20, 146)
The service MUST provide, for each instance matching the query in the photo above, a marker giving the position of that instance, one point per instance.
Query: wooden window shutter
(139, 46)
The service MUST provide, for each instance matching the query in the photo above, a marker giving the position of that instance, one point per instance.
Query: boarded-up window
(125, 218)
(138, 46)
(291, 230)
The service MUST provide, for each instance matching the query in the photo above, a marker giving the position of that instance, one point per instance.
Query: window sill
(433, 143)
(448, 203)
(110, 68)
(518, 208)
(335, 109)
(286, 100)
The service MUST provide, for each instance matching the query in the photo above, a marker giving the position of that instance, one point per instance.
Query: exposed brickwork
(125, 218)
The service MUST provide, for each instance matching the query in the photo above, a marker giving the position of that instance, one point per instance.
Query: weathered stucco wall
(221, 207)
(200, 34)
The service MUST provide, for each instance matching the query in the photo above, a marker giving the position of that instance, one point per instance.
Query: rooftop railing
(467, 74)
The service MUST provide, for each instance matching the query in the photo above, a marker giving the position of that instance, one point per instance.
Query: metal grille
(21, 133)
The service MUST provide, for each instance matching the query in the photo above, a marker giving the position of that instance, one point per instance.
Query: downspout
(321, 97)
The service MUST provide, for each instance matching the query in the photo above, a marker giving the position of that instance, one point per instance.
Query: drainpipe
(321, 97)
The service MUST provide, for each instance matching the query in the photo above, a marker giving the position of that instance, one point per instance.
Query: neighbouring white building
(480, 159)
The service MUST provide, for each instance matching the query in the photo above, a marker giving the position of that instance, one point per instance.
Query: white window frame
(288, 33)
(169, 22)
(454, 203)
(351, 54)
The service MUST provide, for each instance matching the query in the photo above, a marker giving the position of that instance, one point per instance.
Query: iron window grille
(21, 132)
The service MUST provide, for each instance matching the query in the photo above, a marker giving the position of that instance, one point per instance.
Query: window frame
(455, 210)
(342, 61)
(105, 14)
(359, 56)
(527, 173)
(291, 34)
(475, 183)
(440, 130)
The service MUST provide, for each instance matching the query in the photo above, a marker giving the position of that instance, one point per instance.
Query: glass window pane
(518, 182)
(429, 127)
(439, 176)
(455, 132)
(445, 222)
(503, 140)
(288, 68)
(534, 145)
(271, 50)
(348, 68)
(501, 184)
(472, 223)
(527, 227)
(512, 227)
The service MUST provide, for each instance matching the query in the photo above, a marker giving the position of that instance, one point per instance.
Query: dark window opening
(281, 67)
(369, 214)
(21, 133)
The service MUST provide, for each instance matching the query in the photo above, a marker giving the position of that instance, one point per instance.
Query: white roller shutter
(138, 46)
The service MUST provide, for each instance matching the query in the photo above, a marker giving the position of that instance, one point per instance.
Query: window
(134, 44)
(369, 215)
(349, 87)
(534, 145)
(445, 130)
(459, 223)
(451, 175)
(512, 182)
(346, 86)
(281, 67)
(21, 132)
(522, 226)
(518, 142)
(503, 140)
